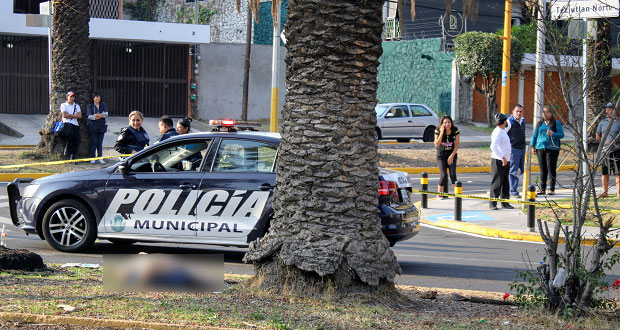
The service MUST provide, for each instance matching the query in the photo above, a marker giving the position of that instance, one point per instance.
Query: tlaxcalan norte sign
(579, 9)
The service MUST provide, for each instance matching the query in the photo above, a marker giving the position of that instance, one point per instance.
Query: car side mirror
(123, 168)
(389, 115)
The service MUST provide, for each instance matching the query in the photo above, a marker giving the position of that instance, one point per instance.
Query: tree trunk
(70, 71)
(599, 79)
(325, 237)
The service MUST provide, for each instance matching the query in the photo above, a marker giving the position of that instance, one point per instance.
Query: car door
(154, 199)
(421, 118)
(397, 122)
(237, 190)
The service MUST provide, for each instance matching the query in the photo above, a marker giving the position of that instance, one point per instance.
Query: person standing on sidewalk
(546, 145)
(517, 145)
(447, 142)
(611, 163)
(500, 161)
(97, 126)
(71, 112)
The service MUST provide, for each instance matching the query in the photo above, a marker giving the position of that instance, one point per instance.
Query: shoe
(508, 206)
(550, 192)
(516, 195)
(101, 161)
(603, 195)
(540, 192)
(444, 197)
(493, 207)
(93, 161)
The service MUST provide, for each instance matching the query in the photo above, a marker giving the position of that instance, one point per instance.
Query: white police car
(210, 188)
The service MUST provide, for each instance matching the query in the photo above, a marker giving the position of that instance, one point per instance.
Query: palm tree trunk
(70, 70)
(599, 80)
(325, 236)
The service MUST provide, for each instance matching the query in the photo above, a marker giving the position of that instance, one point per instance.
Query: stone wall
(416, 71)
(228, 25)
(263, 30)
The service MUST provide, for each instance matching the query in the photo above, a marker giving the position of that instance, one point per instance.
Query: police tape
(501, 200)
(60, 162)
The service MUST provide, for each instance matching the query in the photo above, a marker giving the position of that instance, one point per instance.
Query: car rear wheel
(403, 140)
(429, 134)
(378, 132)
(68, 226)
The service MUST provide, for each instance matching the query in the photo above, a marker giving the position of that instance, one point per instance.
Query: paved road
(434, 258)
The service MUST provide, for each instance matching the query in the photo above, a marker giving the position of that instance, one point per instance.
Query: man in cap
(611, 147)
(71, 112)
(500, 161)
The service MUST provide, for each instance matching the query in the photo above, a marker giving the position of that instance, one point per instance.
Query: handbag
(58, 128)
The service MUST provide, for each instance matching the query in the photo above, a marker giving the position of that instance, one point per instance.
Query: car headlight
(30, 190)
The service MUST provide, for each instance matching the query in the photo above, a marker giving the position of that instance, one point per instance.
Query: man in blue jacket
(517, 145)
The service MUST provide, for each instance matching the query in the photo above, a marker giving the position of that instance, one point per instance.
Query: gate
(148, 77)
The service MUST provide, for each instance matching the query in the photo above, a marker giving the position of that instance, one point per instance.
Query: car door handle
(411, 121)
(187, 186)
(266, 186)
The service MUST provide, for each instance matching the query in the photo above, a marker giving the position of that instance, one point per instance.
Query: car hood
(72, 175)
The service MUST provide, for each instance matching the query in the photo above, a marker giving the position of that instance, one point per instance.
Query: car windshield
(380, 109)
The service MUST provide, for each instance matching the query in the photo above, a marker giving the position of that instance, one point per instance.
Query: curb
(12, 176)
(492, 232)
(92, 322)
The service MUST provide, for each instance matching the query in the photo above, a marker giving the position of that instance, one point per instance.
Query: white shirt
(71, 109)
(500, 143)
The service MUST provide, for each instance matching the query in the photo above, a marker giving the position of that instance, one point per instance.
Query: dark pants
(73, 140)
(548, 161)
(442, 163)
(96, 143)
(499, 183)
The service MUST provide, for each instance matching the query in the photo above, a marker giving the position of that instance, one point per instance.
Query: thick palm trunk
(70, 70)
(326, 236)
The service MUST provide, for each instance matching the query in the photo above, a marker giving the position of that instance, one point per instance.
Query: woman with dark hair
(447, 142)
(97, 126)
(546, 145)
(183, 125)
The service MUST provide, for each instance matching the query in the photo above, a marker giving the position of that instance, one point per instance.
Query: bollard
(458, 201)
(531, 209)
(424, 182)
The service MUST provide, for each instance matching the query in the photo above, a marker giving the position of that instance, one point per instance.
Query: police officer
(166, 129)
(132, 138)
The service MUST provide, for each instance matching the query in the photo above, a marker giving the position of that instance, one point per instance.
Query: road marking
(5, 204)
(6, 221)
(479, 236)
(453, 258)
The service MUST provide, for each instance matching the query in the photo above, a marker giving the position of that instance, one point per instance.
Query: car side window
(235, 155)
(419, 111)
(176, 158)
(397, 112)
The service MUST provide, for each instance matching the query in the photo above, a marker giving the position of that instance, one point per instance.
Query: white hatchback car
(405, 121)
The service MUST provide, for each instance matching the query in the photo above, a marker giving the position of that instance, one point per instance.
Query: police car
(210, 188)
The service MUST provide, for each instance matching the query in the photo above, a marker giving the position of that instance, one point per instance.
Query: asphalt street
(434, 258)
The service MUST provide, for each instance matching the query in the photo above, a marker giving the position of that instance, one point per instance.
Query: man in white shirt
(500, 161)
(71, 112)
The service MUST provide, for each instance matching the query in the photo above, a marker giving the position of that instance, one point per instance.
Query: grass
(483, 129)
(41, 293)
(566, 215)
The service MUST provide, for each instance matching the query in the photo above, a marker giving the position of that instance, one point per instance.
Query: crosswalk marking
(5, 204)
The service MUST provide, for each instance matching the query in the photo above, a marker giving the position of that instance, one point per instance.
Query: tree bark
(70, 71)
(599, 79)
(325, 237)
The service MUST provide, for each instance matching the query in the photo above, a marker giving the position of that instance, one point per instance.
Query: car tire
(429, 134)
(69, 226)
(378, 132)
(403, 140)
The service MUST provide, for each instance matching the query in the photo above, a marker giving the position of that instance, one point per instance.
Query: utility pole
(275, 64)
(246, 69)
(505, 100)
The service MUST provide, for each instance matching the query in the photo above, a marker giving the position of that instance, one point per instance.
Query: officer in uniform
(166, 129)
(132, 138)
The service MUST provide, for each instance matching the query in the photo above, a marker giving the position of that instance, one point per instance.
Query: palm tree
(599, 56)
(70, 70)
(325, 235)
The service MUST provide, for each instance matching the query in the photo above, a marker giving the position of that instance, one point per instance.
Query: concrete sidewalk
(477, 218)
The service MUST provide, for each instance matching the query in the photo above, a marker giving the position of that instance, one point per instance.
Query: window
(244, 156)
(398, 112)
(419, 111)
(177, 158)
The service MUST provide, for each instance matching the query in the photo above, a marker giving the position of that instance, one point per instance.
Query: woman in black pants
(447, 143)
(546, 145)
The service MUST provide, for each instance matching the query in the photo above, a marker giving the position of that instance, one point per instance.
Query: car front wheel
(68, 226)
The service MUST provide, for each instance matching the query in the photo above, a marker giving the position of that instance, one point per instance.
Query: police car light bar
(233, 125)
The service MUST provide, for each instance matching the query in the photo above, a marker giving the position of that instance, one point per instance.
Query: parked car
(209, 188)
(405, 121)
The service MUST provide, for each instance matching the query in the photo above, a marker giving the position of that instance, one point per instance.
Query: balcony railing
(391, 29)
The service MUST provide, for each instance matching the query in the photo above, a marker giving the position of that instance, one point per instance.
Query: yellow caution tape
(501, 200)
(60, 162)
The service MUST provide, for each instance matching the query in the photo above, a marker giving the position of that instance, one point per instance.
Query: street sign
(580, 9)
